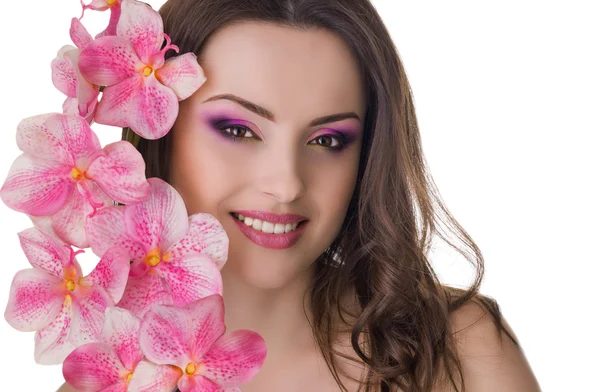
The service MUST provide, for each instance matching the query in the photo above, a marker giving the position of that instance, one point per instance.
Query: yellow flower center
(147, 70)
(128, 378)
(70, 285)
(190, 369)
(76, 174)
(153, 258)
(111, 2)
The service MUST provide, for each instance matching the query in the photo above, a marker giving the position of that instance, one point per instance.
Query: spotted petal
(36, 139)
(143, 292)
(165, 336)
(89, 302)
(79, 35)
(94, 367)
(149, 377)
(107, 229)
(197, 383)
(235, 358)
(205, 235)
(36, 186)
(182, 74)
(191, 277)
(140, 102)
(161, 220)
(120, 172)
(206, 320)
(108, 61)
(63, 72)
(52, 343)
(121, 332)
(142, 26)
(43, 251)
(111, 273)
(34, 300)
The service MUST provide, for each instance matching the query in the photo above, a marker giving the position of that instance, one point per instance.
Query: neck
(276, 314)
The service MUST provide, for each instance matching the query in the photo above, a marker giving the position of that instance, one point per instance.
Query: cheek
(203, 170)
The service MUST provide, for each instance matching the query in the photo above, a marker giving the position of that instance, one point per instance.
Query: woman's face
(272, 151)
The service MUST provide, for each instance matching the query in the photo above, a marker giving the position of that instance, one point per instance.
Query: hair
(402, 332)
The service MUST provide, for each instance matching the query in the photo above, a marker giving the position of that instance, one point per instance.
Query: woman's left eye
(330, 141)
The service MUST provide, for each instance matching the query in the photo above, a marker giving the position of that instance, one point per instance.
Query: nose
(282, 177)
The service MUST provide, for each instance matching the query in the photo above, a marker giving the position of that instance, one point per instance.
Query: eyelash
(342, 142)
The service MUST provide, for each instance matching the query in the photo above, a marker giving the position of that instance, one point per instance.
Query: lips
(271, 241)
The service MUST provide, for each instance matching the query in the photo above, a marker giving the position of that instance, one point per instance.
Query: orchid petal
(34, 301)
(149, 377)
(52, 343)
(143, 292)
(68, 222)
(64, 77)
(34, 138)
(79, 35)
(121, 332)
(90, 302)
(164, 336)
(44, 251)
(142, 26)
(71, 106)
(182, 74)
(87, 94)
(141, 103)
(206, 320)
(37, 187)
(79, 138)
(235, 358)
(96, 5)
(205, 235)
(115, 14)
(197, 384)
(93, 367)
(111, 273)
(161, 220)
(120, 172)
(191, 277)
(108, 61)
(106, 229)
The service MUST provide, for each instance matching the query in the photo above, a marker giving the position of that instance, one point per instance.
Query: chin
(265, 274)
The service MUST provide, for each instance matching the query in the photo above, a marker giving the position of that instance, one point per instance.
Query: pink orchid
(52, 298)
(175, 259)
(193, 339)
(102, 5)
(82, 96)
(64, 173)
(109, 364)
(142, 89)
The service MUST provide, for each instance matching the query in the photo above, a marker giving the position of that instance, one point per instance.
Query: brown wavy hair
(402, 331)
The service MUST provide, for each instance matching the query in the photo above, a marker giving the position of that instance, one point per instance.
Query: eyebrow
(270, 116)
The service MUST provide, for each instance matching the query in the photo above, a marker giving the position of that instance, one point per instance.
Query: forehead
(297, 74)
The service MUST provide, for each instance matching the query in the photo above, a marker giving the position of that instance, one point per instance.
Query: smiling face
(259, 136)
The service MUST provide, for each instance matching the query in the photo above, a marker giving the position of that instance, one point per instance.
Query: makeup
(271, 241)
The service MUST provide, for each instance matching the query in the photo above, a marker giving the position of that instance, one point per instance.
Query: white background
(508, 101)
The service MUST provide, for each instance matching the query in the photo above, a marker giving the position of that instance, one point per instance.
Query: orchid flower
(109, 364)
(175, 259)
(82, 96)
(54, 299)
(103, 5)
(142, 90)
(64, 173)
(193, 339)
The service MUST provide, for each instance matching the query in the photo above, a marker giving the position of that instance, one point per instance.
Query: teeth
(266, 227)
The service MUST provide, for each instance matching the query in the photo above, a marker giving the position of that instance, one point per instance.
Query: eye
(332, 142)
(237, 132)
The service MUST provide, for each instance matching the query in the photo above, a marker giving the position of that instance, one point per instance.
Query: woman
(306, 126)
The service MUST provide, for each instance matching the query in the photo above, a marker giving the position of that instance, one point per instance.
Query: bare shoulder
(491, 361)
(66, 388)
